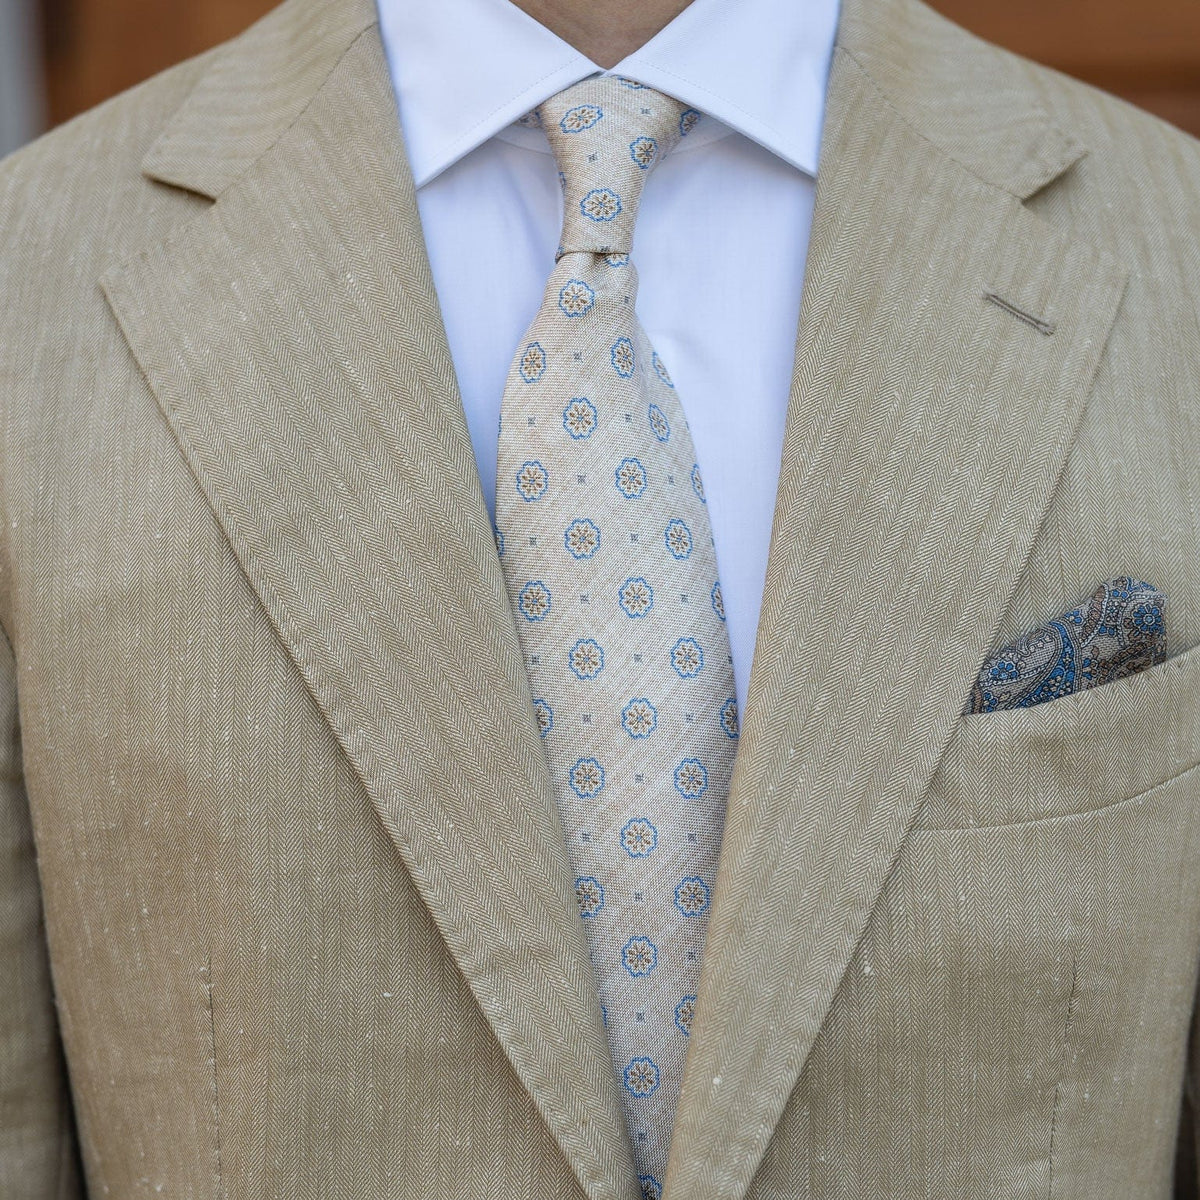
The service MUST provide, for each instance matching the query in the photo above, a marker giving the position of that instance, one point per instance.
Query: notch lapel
(926, 430)
(292, 338)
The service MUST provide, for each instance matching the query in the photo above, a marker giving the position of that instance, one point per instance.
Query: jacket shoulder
(68, 179)
(1121, 134)
(1136, 190)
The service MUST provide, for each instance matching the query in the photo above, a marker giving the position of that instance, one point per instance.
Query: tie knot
(607, 134)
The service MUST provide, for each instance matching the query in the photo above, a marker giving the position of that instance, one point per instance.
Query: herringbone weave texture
(281, 862)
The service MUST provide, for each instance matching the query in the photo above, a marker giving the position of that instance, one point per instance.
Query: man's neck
(606, 32)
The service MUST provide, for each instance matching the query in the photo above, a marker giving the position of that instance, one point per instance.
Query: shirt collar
(464, 70)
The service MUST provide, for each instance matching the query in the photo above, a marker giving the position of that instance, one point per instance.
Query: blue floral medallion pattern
(718, 603)
(579, 118)
(691, 779)
(691, 896)
(641, 1076)
(658, 422)
(644, 152)
(532, 480)
(637, 597)
(631, 478)
(579, 417)
(587, 658)
(729, 718)
(685, 1012)
(639, 837)
(576, 298)
(534, 601)
(622, 356)
(678, 538)
(600, 204)
(587, 778)
(639, 718)
(533, 363)
(639, 955)
(582, 538)
(589, 892)
(608, 561)
(687, 656)
(660, 370)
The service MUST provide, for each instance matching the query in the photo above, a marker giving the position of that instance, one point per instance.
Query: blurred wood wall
(1148, 52)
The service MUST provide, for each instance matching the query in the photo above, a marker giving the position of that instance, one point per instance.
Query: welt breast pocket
(1080, 753)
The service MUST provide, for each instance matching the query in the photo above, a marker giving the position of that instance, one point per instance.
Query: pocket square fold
(1119, 630)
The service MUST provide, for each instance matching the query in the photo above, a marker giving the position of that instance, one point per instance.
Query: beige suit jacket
(284, 905)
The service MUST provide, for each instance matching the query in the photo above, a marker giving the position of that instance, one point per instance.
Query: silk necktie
(604, 537)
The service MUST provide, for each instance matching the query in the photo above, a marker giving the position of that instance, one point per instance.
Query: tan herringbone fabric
(275, 793)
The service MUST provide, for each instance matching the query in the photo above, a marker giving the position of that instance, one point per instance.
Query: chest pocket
(1079, 753)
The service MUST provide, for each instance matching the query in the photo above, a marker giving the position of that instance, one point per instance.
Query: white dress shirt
(722, 230)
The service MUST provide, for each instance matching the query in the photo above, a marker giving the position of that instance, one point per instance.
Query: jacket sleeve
(37, 1140)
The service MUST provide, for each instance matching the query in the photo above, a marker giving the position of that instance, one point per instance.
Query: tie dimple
(604, 538)
(608, 134)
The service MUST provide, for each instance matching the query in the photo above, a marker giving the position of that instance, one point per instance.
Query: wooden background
(1147, 51)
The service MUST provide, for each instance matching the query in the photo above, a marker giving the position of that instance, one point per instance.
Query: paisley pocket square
(1119, 630)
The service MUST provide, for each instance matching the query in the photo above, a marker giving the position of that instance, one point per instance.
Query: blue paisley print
(1117, 631)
